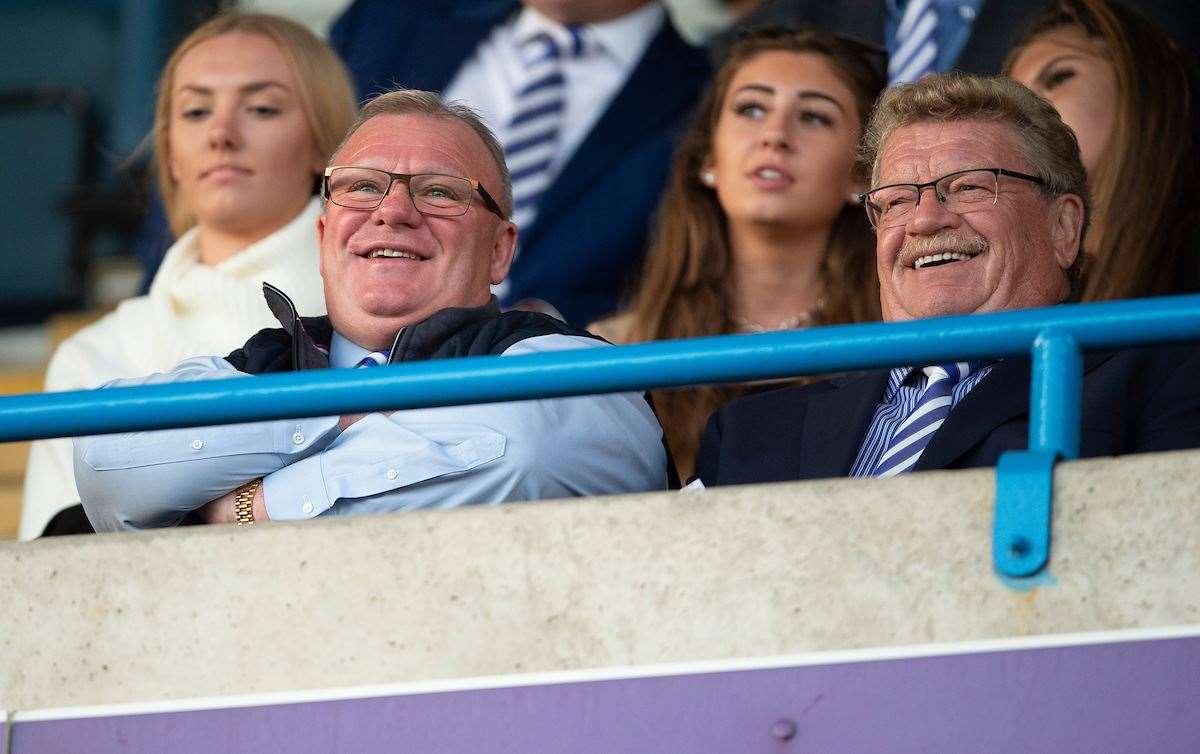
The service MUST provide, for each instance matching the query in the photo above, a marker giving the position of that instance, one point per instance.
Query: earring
(708, 178)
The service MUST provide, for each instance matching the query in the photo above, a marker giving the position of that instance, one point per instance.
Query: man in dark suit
(593, 146)
(979, 205)
(973, 35)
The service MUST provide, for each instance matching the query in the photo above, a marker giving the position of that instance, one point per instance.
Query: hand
(219, 511)
(344, 422)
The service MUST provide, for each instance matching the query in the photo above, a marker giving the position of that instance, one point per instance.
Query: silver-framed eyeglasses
(961, 191)
(432, 193)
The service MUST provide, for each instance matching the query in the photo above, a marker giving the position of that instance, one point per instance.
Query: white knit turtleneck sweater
(192, 310)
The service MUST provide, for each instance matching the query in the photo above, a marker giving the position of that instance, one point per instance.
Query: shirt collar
(624, 38)
(901, 375)
(344, 353)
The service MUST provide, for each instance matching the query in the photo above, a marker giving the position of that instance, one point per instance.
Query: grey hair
(1048, 144)
(431, 105)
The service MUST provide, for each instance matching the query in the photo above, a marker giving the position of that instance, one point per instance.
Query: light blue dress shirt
(955, 18)
(420, 458)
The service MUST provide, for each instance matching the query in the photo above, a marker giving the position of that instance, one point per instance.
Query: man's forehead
(924, 151)
(418, 142)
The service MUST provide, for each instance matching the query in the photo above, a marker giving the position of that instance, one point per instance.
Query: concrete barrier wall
(626, 581)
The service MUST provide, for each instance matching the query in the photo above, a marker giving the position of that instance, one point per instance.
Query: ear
(856, 188)
(318, 162)
(321, 242)
(171, 169)
(708, 174)
(504, 248)
(1066, 228)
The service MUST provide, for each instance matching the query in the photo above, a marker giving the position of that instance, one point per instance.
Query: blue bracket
(1024, 491)
(1025, 479)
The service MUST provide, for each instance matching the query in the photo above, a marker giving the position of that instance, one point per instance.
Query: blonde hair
(322, 82)
(431, 105)
(1047, 143)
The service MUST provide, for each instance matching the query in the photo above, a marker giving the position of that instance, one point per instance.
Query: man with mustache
(979, 205)
(413, 233)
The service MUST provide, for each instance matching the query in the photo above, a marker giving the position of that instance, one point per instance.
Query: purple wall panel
(1130, 696)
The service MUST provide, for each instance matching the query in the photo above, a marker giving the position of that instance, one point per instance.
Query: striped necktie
(531, 143)
(915, 432)
(376, 359)
(915, 47)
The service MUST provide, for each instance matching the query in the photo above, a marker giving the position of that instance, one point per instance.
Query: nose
(397, 207)
(775, 133)
(930, 216)
(224, 132)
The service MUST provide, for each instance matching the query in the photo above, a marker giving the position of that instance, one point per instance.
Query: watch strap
(243, 502)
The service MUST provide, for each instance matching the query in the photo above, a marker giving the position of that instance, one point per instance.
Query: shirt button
(307, 507)
(966, 12)
(197, 444)
(392, 473)
(298, 438)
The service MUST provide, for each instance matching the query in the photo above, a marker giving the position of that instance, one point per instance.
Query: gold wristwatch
(243, 502)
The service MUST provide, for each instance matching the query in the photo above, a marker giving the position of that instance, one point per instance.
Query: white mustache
(916, 247)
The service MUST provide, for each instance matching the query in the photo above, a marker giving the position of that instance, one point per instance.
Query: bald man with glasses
(979, 204)
(414, 233)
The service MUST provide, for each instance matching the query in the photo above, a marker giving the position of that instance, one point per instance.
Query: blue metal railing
(1055, 336)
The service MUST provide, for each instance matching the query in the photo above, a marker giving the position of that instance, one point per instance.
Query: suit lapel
(992, 35)
(859, 18)
(835, 423)
(1001, 397)
(468, 25)
(662, 85)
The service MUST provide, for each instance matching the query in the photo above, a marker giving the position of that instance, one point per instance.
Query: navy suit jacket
(998, 25)
(591, 231)
(1134, 401)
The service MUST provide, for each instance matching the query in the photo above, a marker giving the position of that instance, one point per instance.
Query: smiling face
(1017, 250)
(370, 290)
(1068, 68)
(239, 145)
(783, 149)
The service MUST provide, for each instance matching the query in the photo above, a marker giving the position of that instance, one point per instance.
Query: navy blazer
(999, 24)
(1134, 401)
(590, 233)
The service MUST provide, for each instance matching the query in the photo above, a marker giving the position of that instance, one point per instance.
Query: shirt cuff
(296, 492)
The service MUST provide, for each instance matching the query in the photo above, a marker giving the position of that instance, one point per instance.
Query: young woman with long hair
(759, 228)
(1129, 94)
(250, 106)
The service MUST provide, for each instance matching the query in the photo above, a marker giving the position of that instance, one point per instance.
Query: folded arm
(410, 459)
(138, 480)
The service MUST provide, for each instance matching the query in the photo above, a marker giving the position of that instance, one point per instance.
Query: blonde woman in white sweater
(249, 108)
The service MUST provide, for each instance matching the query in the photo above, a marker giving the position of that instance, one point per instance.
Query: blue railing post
(1054, 398)
(1025, 479)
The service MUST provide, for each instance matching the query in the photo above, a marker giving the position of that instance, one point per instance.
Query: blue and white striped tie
(915, 51)
(531, 141)
(915, 432)
(376, 359)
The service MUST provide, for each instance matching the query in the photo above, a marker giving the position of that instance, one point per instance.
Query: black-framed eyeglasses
(432, 193)
(960, 191)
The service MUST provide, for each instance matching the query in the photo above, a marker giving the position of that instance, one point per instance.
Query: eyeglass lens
(958, 192)
(433, 194)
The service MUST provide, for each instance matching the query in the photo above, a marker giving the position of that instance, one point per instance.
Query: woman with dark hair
(1129, 94)
(250, 107)
(759, 228)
